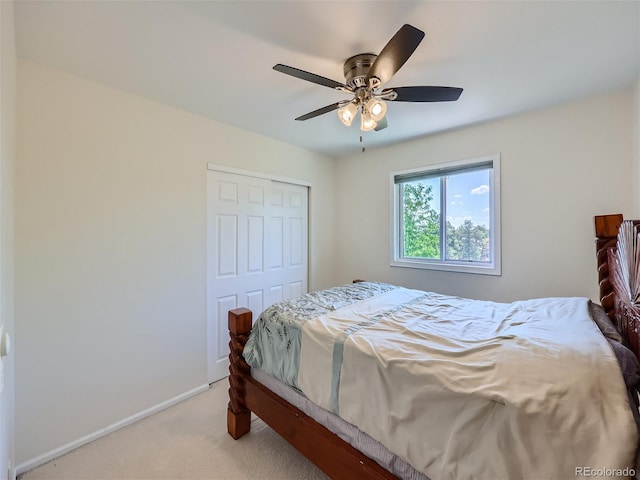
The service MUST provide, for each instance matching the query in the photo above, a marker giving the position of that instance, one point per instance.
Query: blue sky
(467, 197)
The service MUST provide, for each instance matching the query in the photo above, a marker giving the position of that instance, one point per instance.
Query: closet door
(257, 237)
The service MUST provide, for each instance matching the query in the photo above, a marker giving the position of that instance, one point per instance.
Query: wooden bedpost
(606, 237)
(238, 415)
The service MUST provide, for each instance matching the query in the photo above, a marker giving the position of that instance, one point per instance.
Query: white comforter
(467, 389)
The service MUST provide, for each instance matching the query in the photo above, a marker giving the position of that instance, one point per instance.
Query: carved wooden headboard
(624, 314)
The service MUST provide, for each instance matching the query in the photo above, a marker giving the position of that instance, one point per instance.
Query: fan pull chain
(362, 143)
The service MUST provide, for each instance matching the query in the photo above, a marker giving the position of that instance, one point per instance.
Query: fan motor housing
(356, 69)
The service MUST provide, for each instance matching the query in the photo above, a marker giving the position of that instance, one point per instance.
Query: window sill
(448, 267)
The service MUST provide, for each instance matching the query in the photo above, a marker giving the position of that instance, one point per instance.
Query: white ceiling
(215, 58)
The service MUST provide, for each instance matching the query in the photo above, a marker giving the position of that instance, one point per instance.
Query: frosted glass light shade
(377, 108)
(368, 123)
(347, 113)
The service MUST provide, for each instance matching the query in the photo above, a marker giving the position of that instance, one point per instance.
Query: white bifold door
(257, 251)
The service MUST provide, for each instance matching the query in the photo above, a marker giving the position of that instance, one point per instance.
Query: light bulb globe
(347, 113)
(367, 123)
(377, 108)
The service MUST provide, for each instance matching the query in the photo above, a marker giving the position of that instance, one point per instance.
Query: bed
(494, 387)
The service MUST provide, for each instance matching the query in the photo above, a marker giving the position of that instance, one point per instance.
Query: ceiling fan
(365, 74)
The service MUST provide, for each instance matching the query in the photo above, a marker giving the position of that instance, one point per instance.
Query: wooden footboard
(330, 453)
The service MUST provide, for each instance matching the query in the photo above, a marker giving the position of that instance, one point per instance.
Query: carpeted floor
(186, 441)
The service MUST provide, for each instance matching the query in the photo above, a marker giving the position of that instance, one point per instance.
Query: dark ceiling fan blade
(395, 53)
(426, 94)
(382, 124)
(320, 111)
(309, 77)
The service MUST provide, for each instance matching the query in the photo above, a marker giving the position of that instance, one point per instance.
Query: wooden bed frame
(330, 453)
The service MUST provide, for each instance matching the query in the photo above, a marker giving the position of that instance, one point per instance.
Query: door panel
(223, 305)
(276, 247)
(227, 246)
(295, 289)
(256, 245)
(257, 237)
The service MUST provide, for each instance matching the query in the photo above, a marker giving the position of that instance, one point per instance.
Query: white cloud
(481, 190)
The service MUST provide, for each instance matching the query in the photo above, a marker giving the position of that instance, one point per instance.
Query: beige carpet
(186, 441)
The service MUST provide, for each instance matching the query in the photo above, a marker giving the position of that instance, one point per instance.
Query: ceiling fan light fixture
(347, 113)
(377, 108)
(365, 74)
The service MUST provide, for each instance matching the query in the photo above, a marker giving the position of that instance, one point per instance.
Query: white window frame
(492, 268)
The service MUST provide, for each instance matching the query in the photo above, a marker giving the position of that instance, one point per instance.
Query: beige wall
(560, 167)
(111, 230)
(7, 271)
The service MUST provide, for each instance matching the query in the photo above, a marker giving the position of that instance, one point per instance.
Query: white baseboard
(45, 457)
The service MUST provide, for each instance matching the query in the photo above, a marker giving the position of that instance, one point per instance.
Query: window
(447, 216)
